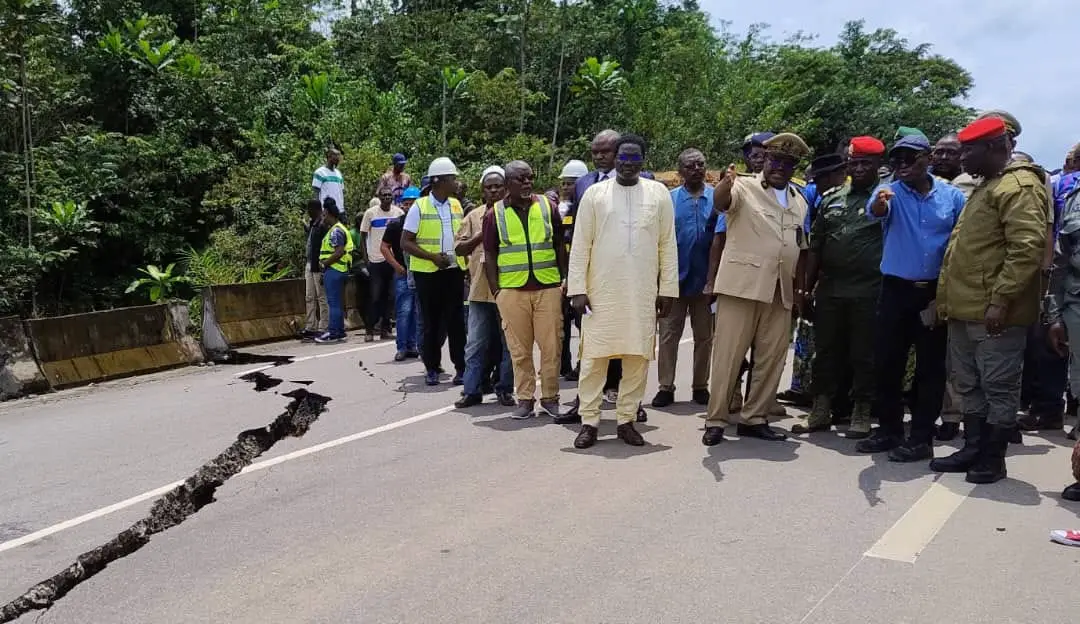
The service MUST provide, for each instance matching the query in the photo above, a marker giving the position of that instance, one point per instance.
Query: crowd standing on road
(941, 279)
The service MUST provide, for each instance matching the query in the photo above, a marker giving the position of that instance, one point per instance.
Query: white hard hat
(496, 169)
(574, 169)
(441, 166)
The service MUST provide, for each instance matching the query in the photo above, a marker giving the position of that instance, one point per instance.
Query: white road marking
(918, 526)
(262, 465)
(316, 357)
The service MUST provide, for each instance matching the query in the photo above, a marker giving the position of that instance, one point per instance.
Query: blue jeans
(485, 326)
(334, 282)
(407, 314)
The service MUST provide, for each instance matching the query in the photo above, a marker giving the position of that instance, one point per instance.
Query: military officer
(756, 285)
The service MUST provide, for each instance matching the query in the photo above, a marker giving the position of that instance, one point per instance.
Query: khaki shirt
(471, 226)
(997, 248)
(763, 242)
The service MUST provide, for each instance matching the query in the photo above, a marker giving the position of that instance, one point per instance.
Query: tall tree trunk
(444, 115)
(558, 84)
(521, 48)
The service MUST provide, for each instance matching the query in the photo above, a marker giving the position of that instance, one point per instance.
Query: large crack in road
(173, 508)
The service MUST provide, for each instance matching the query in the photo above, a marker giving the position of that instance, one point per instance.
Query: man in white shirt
(327, 181)
(381, 274)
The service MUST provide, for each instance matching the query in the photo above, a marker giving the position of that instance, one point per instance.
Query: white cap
(496, 169)
(574, 169)
(441, 166)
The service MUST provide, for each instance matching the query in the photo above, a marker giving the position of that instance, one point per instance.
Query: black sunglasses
(905, 157)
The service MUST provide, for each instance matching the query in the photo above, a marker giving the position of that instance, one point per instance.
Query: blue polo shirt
(693, 235)
(917, 228)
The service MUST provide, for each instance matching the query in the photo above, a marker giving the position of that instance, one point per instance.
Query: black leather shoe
(567, 418)
(762, 432)
(663, 398)
(964, 459)
(878, 442)
(469, 400)
(800, 428)
(1072, 434)
(586, 437)
(948, 431)
(1072, 493)
(713, 436)
(911, 451)
(701, 397)
(642, 415)
(798, 399)
(990, 466)
(628, 434)
(506, 399)
(1016, 436)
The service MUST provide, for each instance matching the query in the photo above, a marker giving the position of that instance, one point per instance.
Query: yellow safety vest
(519, 253)
(429, 234)
(345, 261)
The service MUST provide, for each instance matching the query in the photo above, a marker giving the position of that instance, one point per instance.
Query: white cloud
(1018, 51)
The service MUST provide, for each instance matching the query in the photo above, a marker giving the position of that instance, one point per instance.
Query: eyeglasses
(630, 158)
(904, 158)
(785, 164)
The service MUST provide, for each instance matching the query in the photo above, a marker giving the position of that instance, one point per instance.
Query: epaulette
(836, 190)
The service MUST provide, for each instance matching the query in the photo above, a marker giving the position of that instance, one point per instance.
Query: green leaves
(595, 79)
(159, 284)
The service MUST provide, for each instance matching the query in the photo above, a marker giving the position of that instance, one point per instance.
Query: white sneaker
(611, 396)
(1069, 537)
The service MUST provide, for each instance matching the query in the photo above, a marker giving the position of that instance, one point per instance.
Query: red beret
(866, 146)
(982, 129)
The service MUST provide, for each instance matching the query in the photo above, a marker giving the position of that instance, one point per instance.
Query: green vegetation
(133, 132)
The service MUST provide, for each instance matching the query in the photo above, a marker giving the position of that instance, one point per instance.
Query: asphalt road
(411, 511)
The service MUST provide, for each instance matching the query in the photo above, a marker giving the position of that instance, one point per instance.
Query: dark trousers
(614, 375)
(442, 308)
(844, 341)
(569, 318)
(362, 283)
(1045, 374)
(381, 289)
(899, 326)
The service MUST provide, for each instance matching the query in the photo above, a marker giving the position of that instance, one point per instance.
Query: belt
(914, 283)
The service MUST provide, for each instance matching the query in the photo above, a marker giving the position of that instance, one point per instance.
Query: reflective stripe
(345, 261)
(545, 264)
(526, 245)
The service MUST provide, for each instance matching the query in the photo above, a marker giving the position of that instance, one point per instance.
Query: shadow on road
(746, 448)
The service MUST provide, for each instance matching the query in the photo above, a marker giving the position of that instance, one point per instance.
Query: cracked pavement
(472, 517)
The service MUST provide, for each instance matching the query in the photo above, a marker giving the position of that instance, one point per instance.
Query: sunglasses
(904, 158)
(784, 164)
(630, 158)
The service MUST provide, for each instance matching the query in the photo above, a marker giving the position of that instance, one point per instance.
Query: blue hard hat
(411, 193)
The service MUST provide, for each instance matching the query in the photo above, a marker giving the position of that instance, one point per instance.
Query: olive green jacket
(996, 250)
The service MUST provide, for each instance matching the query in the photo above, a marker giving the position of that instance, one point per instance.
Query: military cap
(1012, 125)
(906, 131)
(866, 146)
(787, 144)
(983, 129)
(825, 164)
(757, 138)
(916, 142)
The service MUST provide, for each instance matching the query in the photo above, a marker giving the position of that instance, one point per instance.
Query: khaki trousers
(671, 330)
(631, 388)
(533, 317)
(318, 313)
(741, 323)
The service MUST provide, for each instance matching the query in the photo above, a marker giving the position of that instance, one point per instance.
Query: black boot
(964, 459)
(990, 465)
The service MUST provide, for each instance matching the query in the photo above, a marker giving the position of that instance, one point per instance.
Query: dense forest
(183, 134)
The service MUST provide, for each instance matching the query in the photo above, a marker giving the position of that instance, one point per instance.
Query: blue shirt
(812, 200)
(1064, 185)
(917, 228)
(721, 223)
(693, 236)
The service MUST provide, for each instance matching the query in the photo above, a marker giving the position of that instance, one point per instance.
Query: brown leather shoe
(586, 438)
(628, 434)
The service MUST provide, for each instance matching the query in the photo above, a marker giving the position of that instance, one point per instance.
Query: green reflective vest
(521, 251)
(429, 234)
(345, 261)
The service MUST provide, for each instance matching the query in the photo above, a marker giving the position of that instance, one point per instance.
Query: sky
(1016, 51)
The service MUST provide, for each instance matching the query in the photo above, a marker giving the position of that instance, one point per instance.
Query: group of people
(920, 275)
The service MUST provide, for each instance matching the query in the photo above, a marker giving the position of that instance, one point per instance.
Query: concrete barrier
(81, 348)
(19, 371)
(235, 315)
